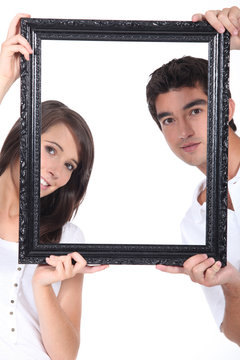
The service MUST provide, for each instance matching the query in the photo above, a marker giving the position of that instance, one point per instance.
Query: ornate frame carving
(36, 30)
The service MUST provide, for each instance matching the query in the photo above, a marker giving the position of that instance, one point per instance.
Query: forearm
(60, 338)
(231, 322)
(5, 84)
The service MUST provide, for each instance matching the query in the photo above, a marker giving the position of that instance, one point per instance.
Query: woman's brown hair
(58, 207)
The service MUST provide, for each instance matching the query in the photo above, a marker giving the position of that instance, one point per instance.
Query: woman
(41, 305)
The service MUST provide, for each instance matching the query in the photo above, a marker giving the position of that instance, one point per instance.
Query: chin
(45, 193)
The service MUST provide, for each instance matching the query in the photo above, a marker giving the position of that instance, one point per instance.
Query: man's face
(182, 114)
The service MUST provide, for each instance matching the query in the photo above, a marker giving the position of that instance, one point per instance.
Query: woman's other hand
(13, 46)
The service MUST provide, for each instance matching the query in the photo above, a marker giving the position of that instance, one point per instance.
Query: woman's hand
(13, 46)
(205, 271)
(61, 268)
(228, 18)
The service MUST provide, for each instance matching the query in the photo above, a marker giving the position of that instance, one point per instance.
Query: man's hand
(228, 18)
(205, 271)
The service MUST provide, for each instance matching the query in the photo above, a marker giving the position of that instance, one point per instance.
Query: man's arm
(207, 272)
(200, 268)
(231, 323)
(228, 18)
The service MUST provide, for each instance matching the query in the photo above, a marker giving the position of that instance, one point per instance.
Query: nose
(54, 170)
(185, 129)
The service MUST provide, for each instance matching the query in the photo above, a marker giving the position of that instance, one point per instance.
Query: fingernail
(235, 32)
(221, 29)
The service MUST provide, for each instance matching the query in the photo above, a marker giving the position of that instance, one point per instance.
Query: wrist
(40, 286)
(232, 288)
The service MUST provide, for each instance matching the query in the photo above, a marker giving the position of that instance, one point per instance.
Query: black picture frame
(36, 30)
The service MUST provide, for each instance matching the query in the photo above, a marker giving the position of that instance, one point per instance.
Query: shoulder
(199, 189)
(195, 210)
(193, 223)
(71, 233)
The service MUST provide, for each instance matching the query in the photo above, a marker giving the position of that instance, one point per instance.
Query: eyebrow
(187, 106)
(195, 102)
(59, 146)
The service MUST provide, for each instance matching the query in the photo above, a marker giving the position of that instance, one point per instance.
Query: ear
(231, 109)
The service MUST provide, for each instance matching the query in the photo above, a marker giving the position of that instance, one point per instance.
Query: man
(177, 99)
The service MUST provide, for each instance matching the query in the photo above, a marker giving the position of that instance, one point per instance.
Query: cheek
(201, 131)
(170, 137)
(42, 159)
(45, 159)
(65, 178)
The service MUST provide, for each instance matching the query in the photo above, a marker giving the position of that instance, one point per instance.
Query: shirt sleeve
(72, 234)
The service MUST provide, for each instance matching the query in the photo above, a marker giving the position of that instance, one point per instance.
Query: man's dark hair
(187, 71)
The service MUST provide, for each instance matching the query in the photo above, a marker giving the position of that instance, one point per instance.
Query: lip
(44, 187)
(190, 147)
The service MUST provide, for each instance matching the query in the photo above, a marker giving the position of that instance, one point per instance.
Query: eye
(196, 111)
(69, 166)
(50, 150)
(167, 121)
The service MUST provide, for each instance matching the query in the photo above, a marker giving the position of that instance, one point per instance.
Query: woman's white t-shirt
(20, 336)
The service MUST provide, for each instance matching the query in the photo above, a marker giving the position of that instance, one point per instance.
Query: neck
(9, 192)
(233, 154)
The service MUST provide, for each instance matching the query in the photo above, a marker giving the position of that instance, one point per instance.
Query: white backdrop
(132, 195)
(135, 312)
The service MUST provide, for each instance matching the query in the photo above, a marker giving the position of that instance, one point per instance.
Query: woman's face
(59, 158)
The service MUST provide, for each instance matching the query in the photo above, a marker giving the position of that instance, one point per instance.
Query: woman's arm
(59, 317)
(13, 46)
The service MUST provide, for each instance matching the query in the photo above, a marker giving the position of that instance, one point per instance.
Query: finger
(52, 260)
(78, 258)
(16, 40)
(212, 17)
(234, 16)
(92, 269)
(15, 24)
(223, 17)
(60, 269)
(80, 262)
(198, 17)
(170, 269)
(48, 260)
(193, 261)
(197, 273)
(67, 265)
(14, 49)
(212, 271)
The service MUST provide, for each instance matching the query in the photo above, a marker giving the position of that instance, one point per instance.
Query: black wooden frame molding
(36, 30)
